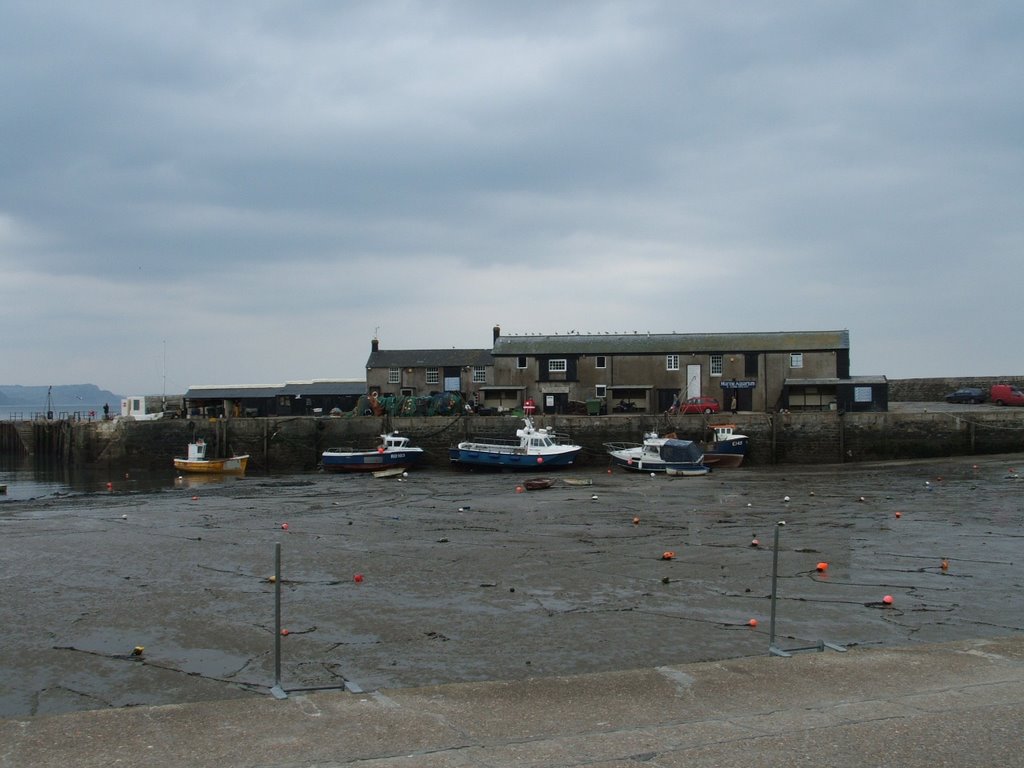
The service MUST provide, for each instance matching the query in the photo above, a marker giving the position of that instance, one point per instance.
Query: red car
(700, 405)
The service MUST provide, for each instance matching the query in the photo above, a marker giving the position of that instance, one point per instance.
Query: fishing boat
(726, 449)
(659, 454)
(197, 462)
(538, 483)
(394, 452)
(532, 449)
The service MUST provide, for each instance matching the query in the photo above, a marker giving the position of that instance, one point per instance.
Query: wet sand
(466, 579)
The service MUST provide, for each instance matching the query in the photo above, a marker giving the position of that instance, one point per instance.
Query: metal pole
(277, 690)
(775, 579)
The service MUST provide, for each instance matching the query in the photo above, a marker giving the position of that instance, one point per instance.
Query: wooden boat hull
(234, 465)
(392, 472)
(696, 471)
(538, 483)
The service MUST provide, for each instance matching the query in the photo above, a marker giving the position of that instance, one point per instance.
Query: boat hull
(232, 466)
(635, 464)
(723, 460)
(477, 457)
(370, 461)
(687, 471)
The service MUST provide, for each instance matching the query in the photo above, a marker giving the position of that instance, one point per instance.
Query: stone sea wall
(295, 444)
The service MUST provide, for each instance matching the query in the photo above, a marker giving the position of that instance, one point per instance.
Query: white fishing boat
(659, 454)
(532, 449)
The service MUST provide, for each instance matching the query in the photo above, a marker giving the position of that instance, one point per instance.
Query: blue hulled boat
(532, 449)
(394, 452)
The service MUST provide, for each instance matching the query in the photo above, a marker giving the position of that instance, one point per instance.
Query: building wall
(415, 379)
(632, 370)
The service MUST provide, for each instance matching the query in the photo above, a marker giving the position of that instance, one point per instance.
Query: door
(692, 388)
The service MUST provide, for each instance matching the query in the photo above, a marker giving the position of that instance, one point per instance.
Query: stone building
(641, 372)
(646, 371)
(418, 372)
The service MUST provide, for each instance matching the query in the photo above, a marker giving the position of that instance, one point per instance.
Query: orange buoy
(519, 489)
(358, 578)
(899, 515)
(887, 599)
(822, 567)
(945, 564)
(284, 631)
(752, 623)
(284, 526)
(755, 543)
(668, 555)
(636, 521)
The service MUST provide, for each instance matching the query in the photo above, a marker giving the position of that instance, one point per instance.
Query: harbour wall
(294, 444)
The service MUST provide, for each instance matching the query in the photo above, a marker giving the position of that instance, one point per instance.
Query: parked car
(966, 395)
(1004, 394)
(700, 405)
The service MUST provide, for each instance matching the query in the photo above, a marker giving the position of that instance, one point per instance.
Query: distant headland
(62, 394)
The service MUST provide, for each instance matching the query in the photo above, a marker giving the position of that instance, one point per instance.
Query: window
(394, 375)
(433, 376)
(521, 362)
(557, 366)
(600, 361)
(600, 391)
(796, 360)
(479, 374)
(717, 365)
(671, 362)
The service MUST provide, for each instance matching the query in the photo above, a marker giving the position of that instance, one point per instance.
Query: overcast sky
(247, 192)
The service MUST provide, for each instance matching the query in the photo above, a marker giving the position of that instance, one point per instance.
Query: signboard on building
(741, 384)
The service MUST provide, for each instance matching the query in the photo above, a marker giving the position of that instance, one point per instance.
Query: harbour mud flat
(121, 599)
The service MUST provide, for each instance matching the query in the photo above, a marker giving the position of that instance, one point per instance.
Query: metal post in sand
(277, 691)
(773, 649)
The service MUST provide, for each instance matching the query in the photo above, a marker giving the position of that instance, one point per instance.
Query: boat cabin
(197, 451)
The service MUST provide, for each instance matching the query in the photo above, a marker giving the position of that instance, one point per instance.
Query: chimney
(497, 332)
(375, 345)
